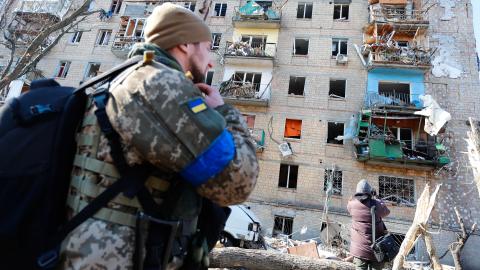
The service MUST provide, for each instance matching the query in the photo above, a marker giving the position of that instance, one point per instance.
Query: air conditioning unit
(285, 149)
(342, 59)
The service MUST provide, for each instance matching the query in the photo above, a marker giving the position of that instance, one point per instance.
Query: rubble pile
(231, 88)
(241, 49)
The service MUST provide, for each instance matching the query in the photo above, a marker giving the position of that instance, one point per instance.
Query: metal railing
(122, 43)
(402, 56)
(398, 15)
(254, 49)
(373, 99)
(266, 14)
(245, 90)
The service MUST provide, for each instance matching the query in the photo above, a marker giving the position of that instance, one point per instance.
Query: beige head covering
(171, 25)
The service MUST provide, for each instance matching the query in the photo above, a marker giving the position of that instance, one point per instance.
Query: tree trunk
(456, 257)
(254, 259)
(431, 251)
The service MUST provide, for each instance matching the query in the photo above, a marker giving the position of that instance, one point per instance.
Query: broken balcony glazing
(396, 138)
(245, 93)
(131, 31)
(54, 8)
(258, 14)
(250, 49)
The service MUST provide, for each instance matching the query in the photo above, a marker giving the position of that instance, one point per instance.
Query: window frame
(330, 89)
(339, 48)
(212, 72)
(88, 67)
(115, 6)
(295, 43)
(244, 79)
(342, 142)
(341, 11)
(291, 137)
(188, 5)
(305, 4)
(216, 36)
(335, 184)
(220, 13)
(289, 183)
(65, 69)
(290, 92)
(101, 37)
(76, 37)
(252, 116)
(381, 188)
(283, 219)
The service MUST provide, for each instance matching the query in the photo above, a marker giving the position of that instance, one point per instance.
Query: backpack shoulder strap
(374, 224)
(111, 73)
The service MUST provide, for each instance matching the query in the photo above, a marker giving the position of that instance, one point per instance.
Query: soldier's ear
(183, 48)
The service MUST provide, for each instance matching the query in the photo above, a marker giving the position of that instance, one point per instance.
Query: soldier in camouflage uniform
(164, 118)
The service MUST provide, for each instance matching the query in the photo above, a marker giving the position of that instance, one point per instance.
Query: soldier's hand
(212, 95)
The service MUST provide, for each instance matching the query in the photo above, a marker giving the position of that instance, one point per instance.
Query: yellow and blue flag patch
(197, 105)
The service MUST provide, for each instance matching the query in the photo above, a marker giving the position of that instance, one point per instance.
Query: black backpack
(37, 146)
(385, 248)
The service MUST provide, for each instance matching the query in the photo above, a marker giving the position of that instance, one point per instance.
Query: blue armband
(212, 161)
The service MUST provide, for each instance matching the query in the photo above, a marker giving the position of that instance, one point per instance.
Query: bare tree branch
(36, 48)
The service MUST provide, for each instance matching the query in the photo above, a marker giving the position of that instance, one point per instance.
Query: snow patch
(444, 65)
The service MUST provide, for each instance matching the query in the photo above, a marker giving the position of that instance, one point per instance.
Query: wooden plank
(307, 250)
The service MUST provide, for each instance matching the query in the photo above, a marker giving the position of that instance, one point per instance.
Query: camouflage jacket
(162, 119)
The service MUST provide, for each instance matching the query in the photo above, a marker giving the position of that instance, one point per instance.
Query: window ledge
(304, 19)
(300, 55)
(292, 139)
(335, 57)
(337, 99)
(217, 16)
(335, 145)
(284, 189)
(340, 21)
(296, 96)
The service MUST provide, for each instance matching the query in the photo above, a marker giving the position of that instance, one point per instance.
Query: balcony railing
(245, 93)
(122, 45)
(253, 49)
(401, 56)
(398, 16)
(393, 99)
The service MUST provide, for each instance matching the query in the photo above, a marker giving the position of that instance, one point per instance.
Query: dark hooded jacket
(361, 229)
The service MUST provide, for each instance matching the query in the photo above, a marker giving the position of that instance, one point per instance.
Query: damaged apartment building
(333, 91)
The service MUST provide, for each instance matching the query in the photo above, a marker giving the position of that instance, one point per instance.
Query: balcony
(392, 101)
(241, 53)
(122, 45)
(258, 136)
(400, 17)
(401, 57)
(245, 93)
(253, 15)
(396, 139)
(50, 9)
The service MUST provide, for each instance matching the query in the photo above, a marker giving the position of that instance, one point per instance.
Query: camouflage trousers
(97, 244)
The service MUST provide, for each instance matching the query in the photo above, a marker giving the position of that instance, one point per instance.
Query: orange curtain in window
(293, 128)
